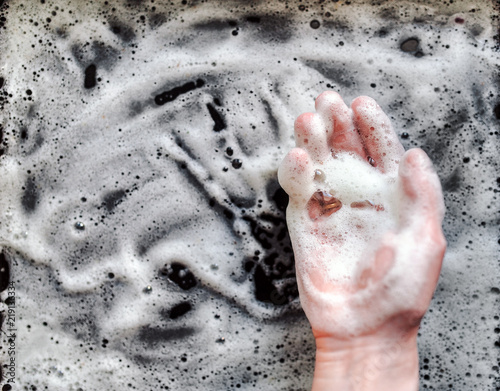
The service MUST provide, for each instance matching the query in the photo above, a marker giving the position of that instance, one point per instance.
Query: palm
(364, 219)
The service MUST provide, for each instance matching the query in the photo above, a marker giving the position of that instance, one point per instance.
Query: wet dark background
(153, 190)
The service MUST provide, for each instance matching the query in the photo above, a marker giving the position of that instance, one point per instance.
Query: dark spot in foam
(253, 19)
(261, 234)
(452, 183)
(124, 32)
(277, 262)
(277, 195)
(142, 360)
(228, 214)
(81, 325)
(248, 265)
(62, 32)
(243, 201)
(496, 110)
(32, 111)
(277, 28)
(410, 45)
(383, 32)
(236, 163)
(457, 118)
(4, 272)
(332, 71)
(150, 238)
(273, 28)
(219, 123)
(104, 55)
(180, 275)
(156, 20)
(172, 94)
(97, 53)
(185, 148)
(271, 118)
(152, 336)
(179, 310)
(215, 25)
(112, 199)
(136, 108)
(23, 133)
(30, 197)
(90, 80)
(3, 20)
(338, 25)
(315, 24)
(390, 13)
(476, 29)
(263, 285)
(2, 81)
(481, 107)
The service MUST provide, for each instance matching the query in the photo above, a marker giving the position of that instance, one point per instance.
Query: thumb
(421, 212)
(420, 195)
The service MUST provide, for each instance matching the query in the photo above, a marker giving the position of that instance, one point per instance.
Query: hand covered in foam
(365, 222)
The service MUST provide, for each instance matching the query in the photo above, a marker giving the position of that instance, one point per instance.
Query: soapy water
(141, 218)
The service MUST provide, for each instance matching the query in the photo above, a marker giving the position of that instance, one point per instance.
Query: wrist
(367, 363)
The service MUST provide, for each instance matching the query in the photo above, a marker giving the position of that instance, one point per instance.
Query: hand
(365, 222)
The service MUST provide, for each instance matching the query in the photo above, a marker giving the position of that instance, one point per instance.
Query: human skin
(365, 222)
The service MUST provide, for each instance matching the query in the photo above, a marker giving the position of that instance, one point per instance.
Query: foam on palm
(382, 212)
(341, 236)
(264, 63)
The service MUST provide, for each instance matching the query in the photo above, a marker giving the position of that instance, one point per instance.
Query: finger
(342, 135)
(381, 143)
(421, 208)
(421, 211)
(310, 134)
(294, 172)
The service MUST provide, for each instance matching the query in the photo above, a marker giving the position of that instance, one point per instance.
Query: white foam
(263, 77)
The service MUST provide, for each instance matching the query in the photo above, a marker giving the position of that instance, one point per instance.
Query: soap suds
(116, 121)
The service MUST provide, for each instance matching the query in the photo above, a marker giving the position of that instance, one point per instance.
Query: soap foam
(153, 184)
(353, 180)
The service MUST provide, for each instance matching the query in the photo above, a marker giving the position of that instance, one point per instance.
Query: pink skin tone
(366, 323)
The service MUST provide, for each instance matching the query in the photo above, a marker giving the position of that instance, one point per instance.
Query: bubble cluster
(141, 218)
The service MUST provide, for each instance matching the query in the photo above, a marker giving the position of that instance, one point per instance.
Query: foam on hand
(140, 213)
(351, 180)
